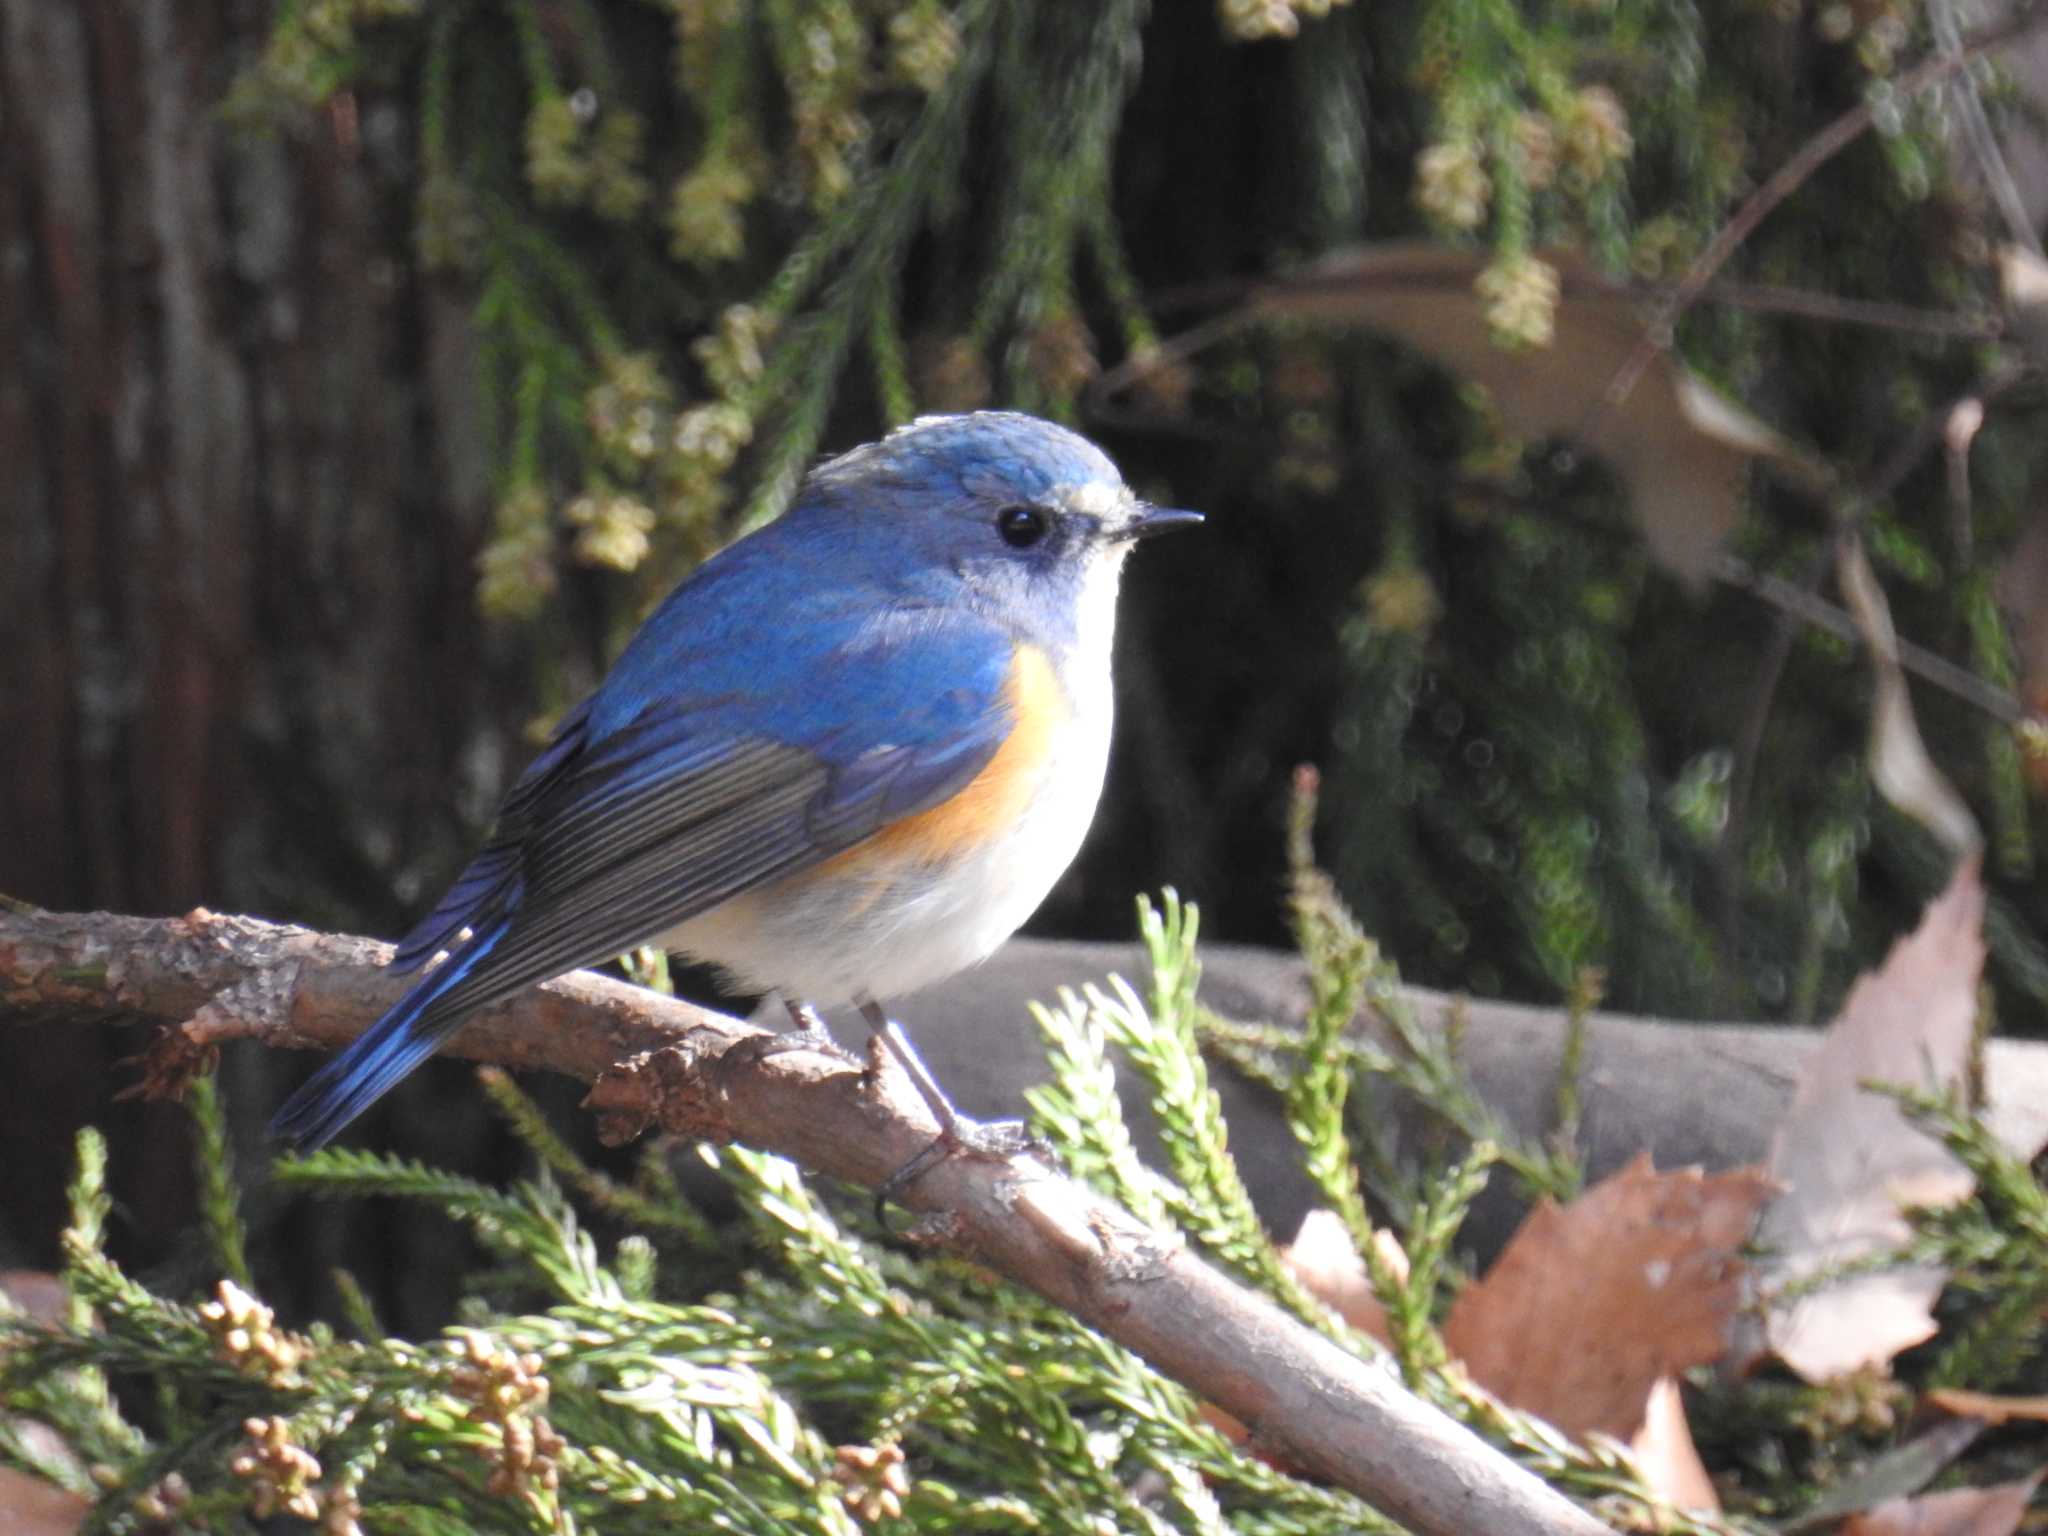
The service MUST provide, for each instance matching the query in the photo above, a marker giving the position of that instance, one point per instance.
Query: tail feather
(376, 1061)
(491, 882)
(484, 887)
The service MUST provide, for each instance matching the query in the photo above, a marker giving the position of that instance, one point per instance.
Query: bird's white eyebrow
(1098, 498)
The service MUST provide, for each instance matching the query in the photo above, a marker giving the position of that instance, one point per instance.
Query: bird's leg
(810, 1033)
(957, 1134)
(890, 1033)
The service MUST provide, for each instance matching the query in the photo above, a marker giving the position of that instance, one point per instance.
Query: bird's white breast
(902, 922)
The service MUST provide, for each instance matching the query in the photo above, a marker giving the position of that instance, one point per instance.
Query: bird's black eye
(1022, 527)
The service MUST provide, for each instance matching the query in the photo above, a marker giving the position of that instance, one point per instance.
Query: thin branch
(655, 1061)
(1801, 601)
(1789, 597)
(1749, 745)
(1787, 179)
(1812, 304)
(1767, 298)
(1948, 36)
(1918, 443)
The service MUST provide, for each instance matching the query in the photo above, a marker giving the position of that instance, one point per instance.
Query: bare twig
(1790, 597)
(1948, 36)
(1832, 309)
(1919, 442)
(1749, 745)
(1787, 179)
(1799, 602)
(655, 1061)
(1764, 298)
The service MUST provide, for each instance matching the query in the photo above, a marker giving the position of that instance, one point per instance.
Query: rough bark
(239, 507)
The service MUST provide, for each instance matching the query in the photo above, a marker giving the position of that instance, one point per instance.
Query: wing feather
(631, 822)
(658, 882)
(686, 807)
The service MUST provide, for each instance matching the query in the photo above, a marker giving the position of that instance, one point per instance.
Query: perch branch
(658, 1062)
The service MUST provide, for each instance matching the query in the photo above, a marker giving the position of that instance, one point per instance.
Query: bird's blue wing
(491, 874)
(613, 837)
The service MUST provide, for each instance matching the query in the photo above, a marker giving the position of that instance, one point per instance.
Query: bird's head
(1033, 519)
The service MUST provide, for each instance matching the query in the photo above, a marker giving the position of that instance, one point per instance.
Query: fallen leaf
(41, 1298)
(1665, 1456)
(31, 1507)
(1893, 1474)
(1327, 1263)
(1591, 1303)
(37, 1295)
(1994, 1511)
(1988, 1406)
(1899, 765)
(1850, 1160)
(1682, 450)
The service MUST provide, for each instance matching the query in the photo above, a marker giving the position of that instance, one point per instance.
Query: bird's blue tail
(378, 1059)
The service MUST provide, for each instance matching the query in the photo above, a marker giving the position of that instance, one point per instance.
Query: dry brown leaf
(1897, 1473)
(1988, 1406)
(1665, 1455)
(1591, 1303)
(1327, 1263)
(1899, 764)
(31, 1507)
(1994, 1511)
(29, 1504)
(1682, 451)
(36, 1295)
(1850, 1160)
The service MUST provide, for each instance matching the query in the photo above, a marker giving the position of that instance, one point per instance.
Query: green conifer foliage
(702, 237)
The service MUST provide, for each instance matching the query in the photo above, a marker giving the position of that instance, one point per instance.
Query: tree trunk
(242, 499)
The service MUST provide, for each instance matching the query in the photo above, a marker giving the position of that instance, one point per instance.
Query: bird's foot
(810, 1034)
(996, 1140)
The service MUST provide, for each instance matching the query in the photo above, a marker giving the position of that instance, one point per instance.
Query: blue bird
(845, 758)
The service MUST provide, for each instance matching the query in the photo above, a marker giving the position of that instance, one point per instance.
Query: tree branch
(656, 1061)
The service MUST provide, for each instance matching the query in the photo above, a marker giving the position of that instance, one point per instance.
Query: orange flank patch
(991, 802)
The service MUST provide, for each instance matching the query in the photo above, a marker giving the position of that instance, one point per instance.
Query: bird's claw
(992, 1141)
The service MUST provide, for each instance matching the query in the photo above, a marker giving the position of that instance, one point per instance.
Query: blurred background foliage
(650, 257)
(704, 240)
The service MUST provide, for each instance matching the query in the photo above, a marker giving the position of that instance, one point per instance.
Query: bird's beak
(1149, 521)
